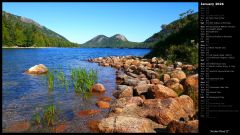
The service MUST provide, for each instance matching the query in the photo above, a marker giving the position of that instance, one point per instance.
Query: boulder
(166, 77)
(151, 74)
(188, 67)
(160, 91)
(191, 88)
(122, 87)
(98, 88)
(183, 126)
(142, 88)
(142, 76)
(37, 69)
(135, 62)
(166, 110)
(154, 60)
(103, 104)
(155, 81)
(149, 65)
(126, 124)
(178, 64)
(133, 67)
(124, 92)
(177, 87)
(192, 81)
(117, 110)
(174, 84)
(132, 75)
(178, 74)
(131, 81)
(122, 102)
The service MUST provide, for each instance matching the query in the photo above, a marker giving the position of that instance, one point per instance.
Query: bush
(183, 53)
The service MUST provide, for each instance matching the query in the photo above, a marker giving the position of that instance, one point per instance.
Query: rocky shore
(152, 96)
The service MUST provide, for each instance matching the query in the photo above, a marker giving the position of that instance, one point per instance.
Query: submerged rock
(106, 99)
(88, 112)
(98, 88)
(59, 128)
(20, 126)
(37, 69)
(93, 125)
(103, 104)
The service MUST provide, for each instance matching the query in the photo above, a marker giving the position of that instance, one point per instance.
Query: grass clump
(82, 79)
(50, 80)
(37, 119)
(62, 79)
(49, 115)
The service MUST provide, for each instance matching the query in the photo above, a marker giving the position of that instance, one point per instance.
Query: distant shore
(35, 47)
(69, 47)
(25, 47)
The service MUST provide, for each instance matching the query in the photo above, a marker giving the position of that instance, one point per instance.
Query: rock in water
(98, 88)
(20, 126)
(93, 125)
(102, 104)
(183, 127)
(37, 69)
(88, 112)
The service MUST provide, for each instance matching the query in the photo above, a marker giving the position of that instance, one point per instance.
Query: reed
(82, 79)
(49, 114)
(37, 119)
(50, 80)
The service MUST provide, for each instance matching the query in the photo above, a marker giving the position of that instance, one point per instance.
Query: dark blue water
(25, 95)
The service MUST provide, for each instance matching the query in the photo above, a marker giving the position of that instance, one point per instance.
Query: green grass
(62, 79)
(37, 119)
(50, 80)
(49, 114)
(82, 79)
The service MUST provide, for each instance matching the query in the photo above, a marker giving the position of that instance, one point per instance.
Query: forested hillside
(181, 44)
(23, 32)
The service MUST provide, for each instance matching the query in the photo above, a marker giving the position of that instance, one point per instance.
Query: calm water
(25, 95)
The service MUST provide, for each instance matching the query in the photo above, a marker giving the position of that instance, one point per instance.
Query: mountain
(179, 45)
(24, 32)
(116, 41)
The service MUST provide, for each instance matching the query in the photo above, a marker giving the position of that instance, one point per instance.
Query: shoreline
(15, 47)
(36, 47)
(149, 98)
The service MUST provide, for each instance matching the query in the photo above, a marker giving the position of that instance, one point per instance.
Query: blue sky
(81, 21)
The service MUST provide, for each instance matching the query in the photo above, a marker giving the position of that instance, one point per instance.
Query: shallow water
(25, 95)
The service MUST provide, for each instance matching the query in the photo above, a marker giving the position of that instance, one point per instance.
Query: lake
(24, 95)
